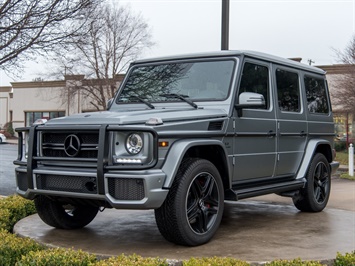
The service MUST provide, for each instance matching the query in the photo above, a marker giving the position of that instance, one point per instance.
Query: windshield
(189, 82)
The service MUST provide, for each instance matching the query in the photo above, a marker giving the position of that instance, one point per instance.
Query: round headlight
(134, 143)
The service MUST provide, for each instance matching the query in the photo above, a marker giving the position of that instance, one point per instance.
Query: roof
(230, 53)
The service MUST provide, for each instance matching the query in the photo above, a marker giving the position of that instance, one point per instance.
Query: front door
(255, 130)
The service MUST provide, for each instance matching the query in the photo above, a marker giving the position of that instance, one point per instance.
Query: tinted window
(255, 78)
(288, 92)
(317, 99)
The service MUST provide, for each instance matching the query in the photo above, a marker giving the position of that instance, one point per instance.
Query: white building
(22, 103)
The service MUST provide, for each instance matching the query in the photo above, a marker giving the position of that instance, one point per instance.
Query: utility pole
(225, 25)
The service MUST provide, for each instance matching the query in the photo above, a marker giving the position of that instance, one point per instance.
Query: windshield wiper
(181, 97)
(151, 106)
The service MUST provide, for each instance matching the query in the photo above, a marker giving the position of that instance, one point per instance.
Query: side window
(255, 78)
(288, 91)
(317, 100)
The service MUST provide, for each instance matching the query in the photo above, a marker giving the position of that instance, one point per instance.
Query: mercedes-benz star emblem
(72, 145)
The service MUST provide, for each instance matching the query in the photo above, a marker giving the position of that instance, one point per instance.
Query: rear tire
(193, 209)
(315, 195)
(62, 215)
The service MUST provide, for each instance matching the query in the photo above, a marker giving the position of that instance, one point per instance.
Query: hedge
(57, 256)
(345, 260)
(12, 248)
(15, 251)
(13, 209)
(132, 260)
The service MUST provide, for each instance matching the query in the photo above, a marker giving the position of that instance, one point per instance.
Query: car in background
(2, 138)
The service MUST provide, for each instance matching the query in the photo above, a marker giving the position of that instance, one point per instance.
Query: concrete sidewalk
(260, 229)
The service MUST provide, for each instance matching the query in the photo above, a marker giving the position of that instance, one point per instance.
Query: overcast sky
(288, 28)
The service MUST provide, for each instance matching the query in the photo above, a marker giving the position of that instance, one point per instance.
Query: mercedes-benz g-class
(182, 135)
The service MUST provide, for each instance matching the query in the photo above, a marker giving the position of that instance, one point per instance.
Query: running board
(279, 188)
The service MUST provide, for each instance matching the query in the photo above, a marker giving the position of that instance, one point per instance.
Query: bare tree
(116, 37)
(344, 94)
(29, 28)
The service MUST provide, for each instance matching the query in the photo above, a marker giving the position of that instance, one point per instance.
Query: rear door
(291, 121)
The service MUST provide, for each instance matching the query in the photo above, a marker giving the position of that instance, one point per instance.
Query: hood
(138, 117)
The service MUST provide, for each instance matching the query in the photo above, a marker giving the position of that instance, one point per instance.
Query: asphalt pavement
(8, 153)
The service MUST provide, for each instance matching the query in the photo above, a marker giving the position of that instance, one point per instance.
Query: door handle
(303, 134)
(271, 134)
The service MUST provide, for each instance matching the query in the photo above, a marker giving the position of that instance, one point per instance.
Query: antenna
(310, 61)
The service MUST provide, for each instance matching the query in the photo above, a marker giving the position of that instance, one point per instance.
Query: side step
(279, 188)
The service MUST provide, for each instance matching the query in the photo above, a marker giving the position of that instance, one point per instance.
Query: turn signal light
(163, 144)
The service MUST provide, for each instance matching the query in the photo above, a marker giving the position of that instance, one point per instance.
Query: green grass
(342, 158)
(347, 176)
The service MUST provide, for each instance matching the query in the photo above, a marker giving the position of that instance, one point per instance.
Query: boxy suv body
(182, 135)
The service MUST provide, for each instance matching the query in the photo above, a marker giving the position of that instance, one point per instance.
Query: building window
(288, 91)
(31, 117)
(317, 99)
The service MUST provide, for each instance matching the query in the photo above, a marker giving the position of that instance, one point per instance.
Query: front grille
(53, 144)
(80, 184)
(126, 188)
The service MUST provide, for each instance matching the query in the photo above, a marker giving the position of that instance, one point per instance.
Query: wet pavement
(258, 229)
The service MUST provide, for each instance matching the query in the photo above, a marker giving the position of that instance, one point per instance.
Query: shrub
(4, 219)
(340, 145)
(295, 262)
(57, 256)
(214, 261)
(12, 247)
(345, 260)
(9, 130)
(132, 260)
(13, 209)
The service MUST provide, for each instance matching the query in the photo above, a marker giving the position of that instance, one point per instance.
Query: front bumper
(141, 189)
(90, 176)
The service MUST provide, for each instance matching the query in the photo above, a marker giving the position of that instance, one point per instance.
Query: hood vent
(216, 125)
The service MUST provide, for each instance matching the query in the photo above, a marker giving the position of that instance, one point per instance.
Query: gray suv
(182, 135)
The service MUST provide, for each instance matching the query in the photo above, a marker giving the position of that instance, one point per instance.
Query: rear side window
(317, 99)
(288, 91)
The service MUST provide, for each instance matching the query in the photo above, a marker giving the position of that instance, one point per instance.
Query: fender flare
(177, 153)
(309, 152)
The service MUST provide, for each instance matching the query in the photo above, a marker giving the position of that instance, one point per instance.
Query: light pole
(225, 25)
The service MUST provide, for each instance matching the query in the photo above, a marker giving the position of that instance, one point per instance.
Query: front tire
(62, 215)
(315, 195)
(193, 209)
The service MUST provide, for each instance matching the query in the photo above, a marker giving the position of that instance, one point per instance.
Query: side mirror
(249, 100)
